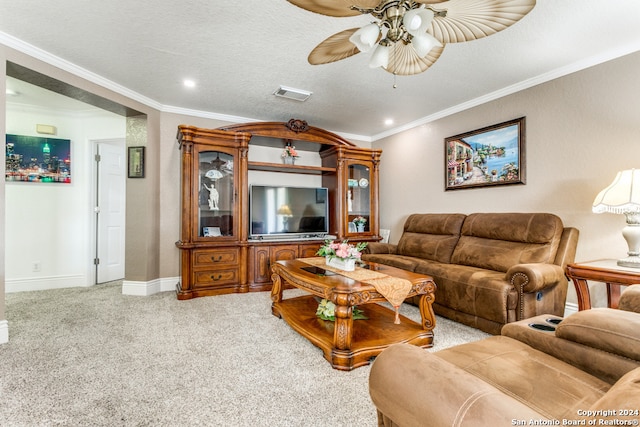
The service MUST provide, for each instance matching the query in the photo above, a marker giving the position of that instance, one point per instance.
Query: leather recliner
(586, 368)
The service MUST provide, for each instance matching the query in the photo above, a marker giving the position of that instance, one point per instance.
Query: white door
(110, 211)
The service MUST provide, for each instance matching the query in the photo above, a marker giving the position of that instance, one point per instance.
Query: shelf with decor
(280, 167)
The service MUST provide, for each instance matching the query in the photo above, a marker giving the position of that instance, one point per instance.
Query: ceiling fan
(408, 36)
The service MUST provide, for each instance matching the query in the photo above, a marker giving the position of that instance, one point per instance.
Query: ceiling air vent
(291, 93)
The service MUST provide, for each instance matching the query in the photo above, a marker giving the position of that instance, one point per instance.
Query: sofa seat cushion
(398, 261)
(547, 385)
(498, 241)
(475, 291)
(431, 237)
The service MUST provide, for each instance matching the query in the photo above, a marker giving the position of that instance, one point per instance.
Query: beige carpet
(95, 357)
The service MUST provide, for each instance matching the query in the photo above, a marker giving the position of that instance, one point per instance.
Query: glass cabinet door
(215, 194)
(358, 198)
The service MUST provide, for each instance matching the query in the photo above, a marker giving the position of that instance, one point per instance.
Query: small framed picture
(211, 232)
(136, 162)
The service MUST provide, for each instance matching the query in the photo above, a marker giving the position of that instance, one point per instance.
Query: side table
(605, 271)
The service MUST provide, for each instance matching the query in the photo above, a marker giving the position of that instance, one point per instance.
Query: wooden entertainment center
(217, 253)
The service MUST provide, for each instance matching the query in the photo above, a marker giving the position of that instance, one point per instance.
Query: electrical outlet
(36, 266)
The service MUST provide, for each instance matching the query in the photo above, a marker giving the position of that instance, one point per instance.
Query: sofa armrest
(413, 387)
(535, 277)
(606, 329)
(630, 299)
(380, 248)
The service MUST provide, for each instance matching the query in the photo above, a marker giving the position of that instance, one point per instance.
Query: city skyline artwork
(38, 159)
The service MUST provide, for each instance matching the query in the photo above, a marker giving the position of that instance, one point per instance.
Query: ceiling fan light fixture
(380, 56)
(417, 21)
(412, 34)
(423, 43)
(366, 37)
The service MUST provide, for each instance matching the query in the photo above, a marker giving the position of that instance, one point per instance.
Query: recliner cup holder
(541, 327)
(554, 321)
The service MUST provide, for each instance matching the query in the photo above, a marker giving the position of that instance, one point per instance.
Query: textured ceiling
(240, 52)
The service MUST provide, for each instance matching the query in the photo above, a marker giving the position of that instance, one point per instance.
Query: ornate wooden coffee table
(348, 344)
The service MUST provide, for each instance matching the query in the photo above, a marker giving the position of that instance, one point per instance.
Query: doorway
(110, 209)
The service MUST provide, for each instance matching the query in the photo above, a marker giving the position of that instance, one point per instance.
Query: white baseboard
(144, 289)
(43, 283)
(570, 308)
(4, 331)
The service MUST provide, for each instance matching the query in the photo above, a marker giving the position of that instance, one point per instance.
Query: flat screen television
(283, 212)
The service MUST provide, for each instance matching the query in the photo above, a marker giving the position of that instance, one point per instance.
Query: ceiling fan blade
(334, 48)
(404, 61)
(468, 20)
(339, 8)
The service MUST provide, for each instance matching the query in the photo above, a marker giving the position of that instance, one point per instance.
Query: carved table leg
(276, 293)
(343, 327)
(426, 311)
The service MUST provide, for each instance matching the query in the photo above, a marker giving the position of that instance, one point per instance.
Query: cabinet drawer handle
(216, 278)
(214, 259)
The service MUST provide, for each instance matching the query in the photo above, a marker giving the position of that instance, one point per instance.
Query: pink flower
(343, 251)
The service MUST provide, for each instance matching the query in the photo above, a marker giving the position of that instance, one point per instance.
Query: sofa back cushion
(497, 241)
(431, 236)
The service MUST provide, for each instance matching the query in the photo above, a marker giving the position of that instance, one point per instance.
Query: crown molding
(69, 67)
(525, 84)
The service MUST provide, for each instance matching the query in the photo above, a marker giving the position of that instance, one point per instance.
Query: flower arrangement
(290, 151)
(343, 250)
(327, 311)
(359, 220)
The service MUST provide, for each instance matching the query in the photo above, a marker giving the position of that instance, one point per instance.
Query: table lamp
(286, 213)
(622, 196)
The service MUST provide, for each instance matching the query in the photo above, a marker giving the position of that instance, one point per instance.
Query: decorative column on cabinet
(213, 189)
(356, 191)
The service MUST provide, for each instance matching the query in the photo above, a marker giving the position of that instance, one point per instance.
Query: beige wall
(581, 130)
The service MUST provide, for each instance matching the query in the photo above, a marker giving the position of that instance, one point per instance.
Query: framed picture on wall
(493, 155)
(37, 160)
(136, 162)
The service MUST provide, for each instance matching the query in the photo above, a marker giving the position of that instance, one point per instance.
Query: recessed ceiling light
(388, 122)
(189, 83)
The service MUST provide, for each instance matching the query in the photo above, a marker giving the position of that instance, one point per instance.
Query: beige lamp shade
(622, 195)
(285, 210)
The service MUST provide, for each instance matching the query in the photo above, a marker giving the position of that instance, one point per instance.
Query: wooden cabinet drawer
(216, 277)
(309, 250)
(211, 257)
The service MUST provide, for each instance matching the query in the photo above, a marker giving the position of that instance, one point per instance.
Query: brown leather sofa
(585, 372)
(490, 268)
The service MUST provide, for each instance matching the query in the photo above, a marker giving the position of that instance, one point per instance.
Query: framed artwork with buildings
(136, 162)
(493, 155)
(35, 159)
